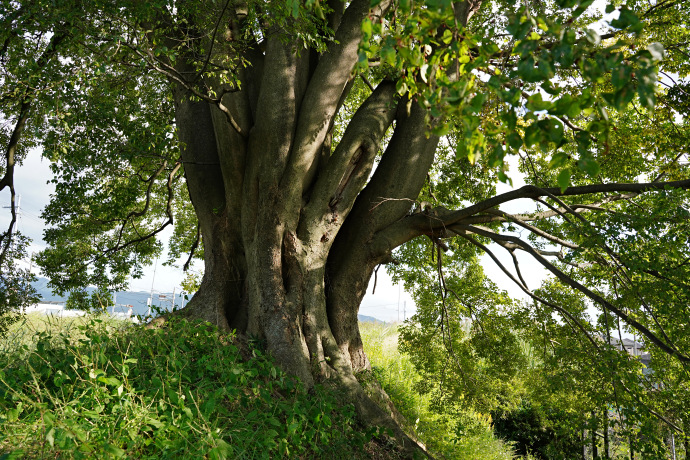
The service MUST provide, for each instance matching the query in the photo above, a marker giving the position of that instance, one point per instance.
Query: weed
(183, 391)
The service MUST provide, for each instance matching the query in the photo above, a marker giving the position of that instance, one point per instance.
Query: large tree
(295, 145)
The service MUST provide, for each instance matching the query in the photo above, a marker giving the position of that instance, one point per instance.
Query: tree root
(371, 413)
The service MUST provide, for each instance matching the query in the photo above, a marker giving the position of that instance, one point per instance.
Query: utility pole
(405, 310)
(673, 446)
(399, 302)
(155, 266)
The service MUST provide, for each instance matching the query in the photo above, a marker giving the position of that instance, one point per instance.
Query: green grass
(22, 336)
(460, 435)
(94, 388)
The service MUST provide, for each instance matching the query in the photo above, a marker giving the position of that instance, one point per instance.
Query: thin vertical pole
(399, 288)
(155, 266)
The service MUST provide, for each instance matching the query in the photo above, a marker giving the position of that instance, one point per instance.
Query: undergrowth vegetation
(98, 388)
(95, 387)
(447, 434)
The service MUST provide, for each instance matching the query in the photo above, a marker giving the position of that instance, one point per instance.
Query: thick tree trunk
(265, 274)
(290, 234)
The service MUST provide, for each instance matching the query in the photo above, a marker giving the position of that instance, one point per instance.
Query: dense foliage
(16, 291)
(457, 433)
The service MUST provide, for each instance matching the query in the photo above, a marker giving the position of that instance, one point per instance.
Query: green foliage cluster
(98, 300)
(443, 65)
(16, 291)
(453, 434)
(546, 384)
(538, 431)
(114, 392)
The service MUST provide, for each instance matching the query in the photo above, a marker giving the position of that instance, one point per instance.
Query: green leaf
(12, 415)
(519, 27)
(114, 450)
(647, 96)
(589, 165)
(627, 19)
(621, 76)
(388, 55)
(295, 8)
(514, 140)
(50, 437)
(557, 160)
(367, 28)
(535, 103)
(319, 12)
(533, 135)
(553, 129)
(496, 156)
(563, 180)
(112, 381)
(527, 70)
(566, 105)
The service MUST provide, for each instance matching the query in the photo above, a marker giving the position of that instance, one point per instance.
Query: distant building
(51, 307)
(57, 308)
(633, 348)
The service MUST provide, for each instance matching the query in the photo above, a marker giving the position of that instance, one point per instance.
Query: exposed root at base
(373, 406)
(372, 414)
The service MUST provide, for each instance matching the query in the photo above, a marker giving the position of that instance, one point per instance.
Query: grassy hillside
(98, 388)
(460, 435)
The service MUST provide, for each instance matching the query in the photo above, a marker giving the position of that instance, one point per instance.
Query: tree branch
(349, 166)
(565, 279)
(566, 314)
(323, 92)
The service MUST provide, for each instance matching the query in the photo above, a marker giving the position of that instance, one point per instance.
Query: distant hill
(138, 300)
(369, 319)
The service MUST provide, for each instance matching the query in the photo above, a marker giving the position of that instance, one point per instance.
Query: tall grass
(97, 389)
(23, 335)
(442, 432)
